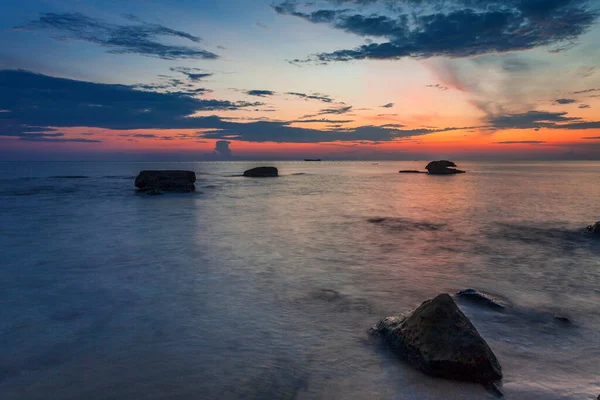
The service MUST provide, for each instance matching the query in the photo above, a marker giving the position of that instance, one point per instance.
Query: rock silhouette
(157, 181)
(443, 167)
(262, 172)
(438, 339)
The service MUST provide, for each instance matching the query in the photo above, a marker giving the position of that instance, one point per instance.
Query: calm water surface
(265, 288)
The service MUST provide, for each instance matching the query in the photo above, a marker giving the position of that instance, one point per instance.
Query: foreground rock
(262, 172)
(439, 339)
(443, 167)
(595, 229)
(155, 182)
(483, 299)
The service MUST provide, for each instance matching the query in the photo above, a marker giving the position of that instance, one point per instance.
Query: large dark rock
(262, 172)
(443, 167)
(168, 181)
(480, 298)
(595, 229)
(439, 339)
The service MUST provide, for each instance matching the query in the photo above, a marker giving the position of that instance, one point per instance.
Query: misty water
(265, 288)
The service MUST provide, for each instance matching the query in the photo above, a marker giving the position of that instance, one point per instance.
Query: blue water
(265, 288)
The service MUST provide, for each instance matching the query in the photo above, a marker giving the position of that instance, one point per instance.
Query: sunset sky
(266, 79)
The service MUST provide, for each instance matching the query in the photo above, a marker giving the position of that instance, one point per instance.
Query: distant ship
(312, 159)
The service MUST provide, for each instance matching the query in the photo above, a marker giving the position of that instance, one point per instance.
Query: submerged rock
(166, 180)
(443, 167)
(477, 297)
(595, 229)
(262, 172)
(412, 171)
(562, 319)
(439, 339)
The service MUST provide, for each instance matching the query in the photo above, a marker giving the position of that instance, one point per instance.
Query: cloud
(591, 138)
(222, 148)
(10, 128)
(585, 106)
(338, 111)
(388, 105)
(538, 120)
(323, 98)
(141, 38)
(194, 74)
(262, 25)
(437, 86)
(323, 120)
(521, 142)
(38, 102)
(529, 120)
(587, 91)
(260, 93)
(281, 132)
(450, 28)
(565, 101)
(41, 100)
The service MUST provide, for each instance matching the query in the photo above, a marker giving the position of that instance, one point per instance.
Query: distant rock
(412, 171)
(562, 319)
(439, 339)
(483, 299)
(443, 167)
(262, 172)
(155, 182)
(595, 229)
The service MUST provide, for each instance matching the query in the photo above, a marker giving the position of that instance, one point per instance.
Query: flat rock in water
(443, 167)
(262, 172)
(439, 339)
(483, 299)
(412, 171)
(166, 180)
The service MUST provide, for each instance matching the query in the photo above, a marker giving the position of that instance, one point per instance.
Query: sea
(266, 288)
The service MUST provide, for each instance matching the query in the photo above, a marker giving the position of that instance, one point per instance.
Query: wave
(404, 224)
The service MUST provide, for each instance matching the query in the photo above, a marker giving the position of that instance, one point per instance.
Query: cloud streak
(141, 38)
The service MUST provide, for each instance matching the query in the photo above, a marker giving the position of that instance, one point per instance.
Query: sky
(284, 79)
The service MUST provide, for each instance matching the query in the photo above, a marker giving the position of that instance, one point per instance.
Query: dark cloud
(281, 132)
(587, 91)
(539, 119)
(451, 28)
(338, 111)
(146, 136)
(33, 103)
(194, 74)
(529, 120)
(437, 86)
(40, 100)
(323, 120)
(141, 38)
(565, 101)
(260, 93)
(388, 105)
(323, 98)
(521, 142)
(11, 128)
(222, 148)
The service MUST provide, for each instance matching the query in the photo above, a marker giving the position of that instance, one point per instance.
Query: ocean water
(265, 288)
